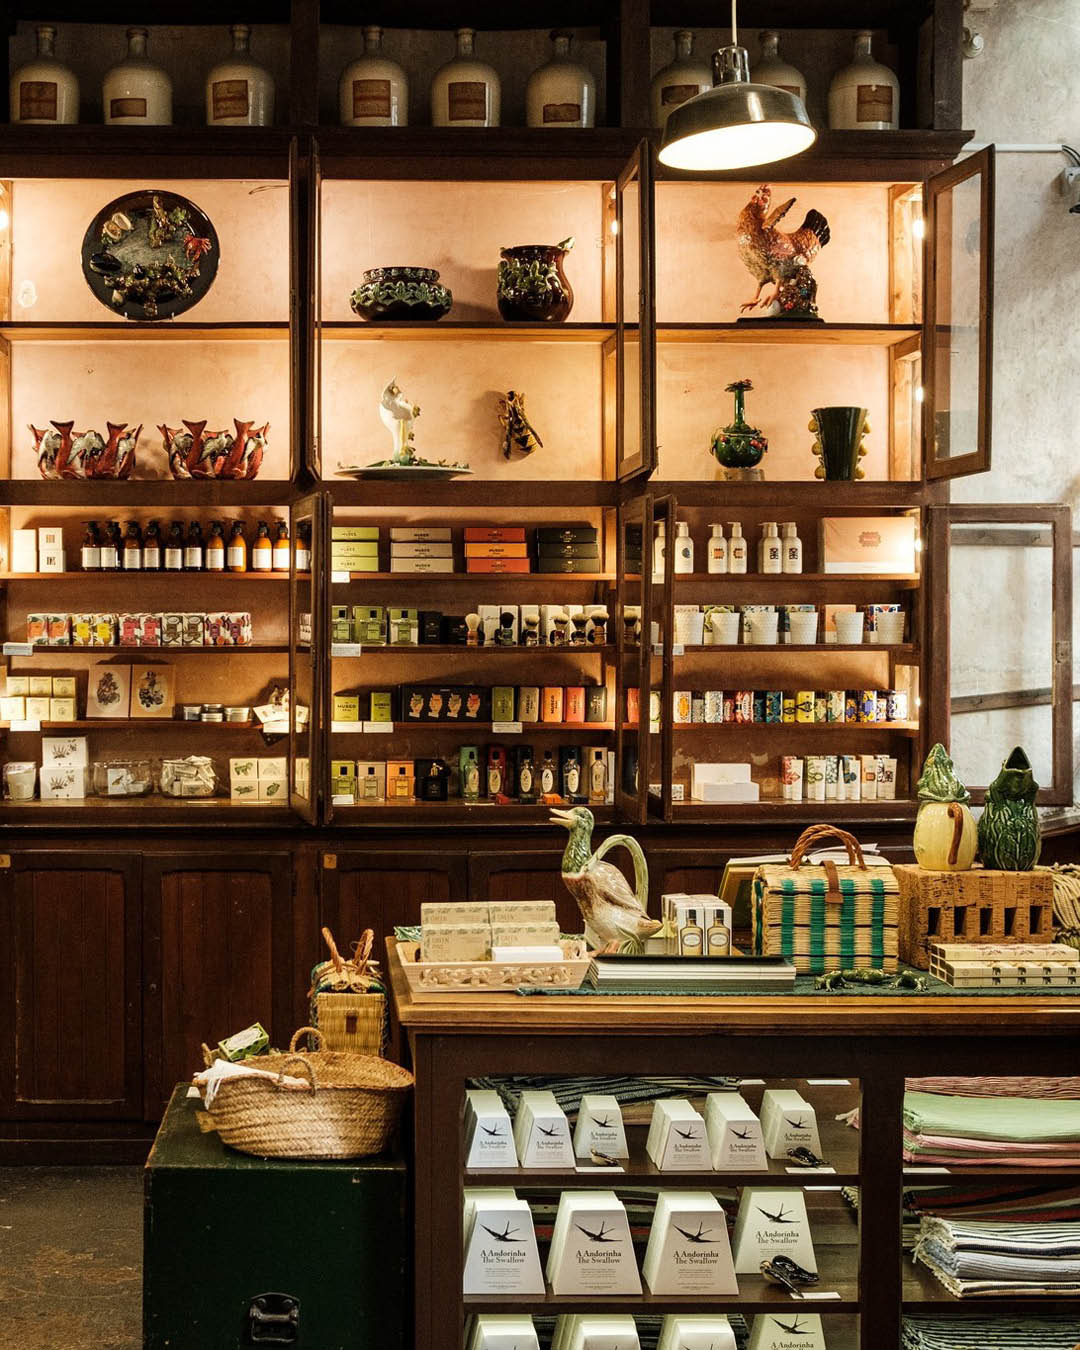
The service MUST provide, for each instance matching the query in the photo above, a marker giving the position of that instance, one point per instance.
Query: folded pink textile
(965, 1145)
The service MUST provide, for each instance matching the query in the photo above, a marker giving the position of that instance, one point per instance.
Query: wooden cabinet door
(70, 1002)
(219, 955)
(378, 888)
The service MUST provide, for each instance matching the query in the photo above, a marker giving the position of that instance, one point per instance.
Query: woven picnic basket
(348, 999)
(826, 916)
(347, 1107)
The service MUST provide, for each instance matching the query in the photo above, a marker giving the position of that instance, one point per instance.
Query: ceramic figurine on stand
(465, 92)
(239, 93)
(136, 92)
(683, 79)
(518, 432)
(839, 444)
(739, 447)
(373, 90)
(776, 256)
(560, 93)
(945, 835)
(771, 70)
(397, 415)
(1009, 830)
(44, 90)
(614, 914)
(864, 96)
(532, 286)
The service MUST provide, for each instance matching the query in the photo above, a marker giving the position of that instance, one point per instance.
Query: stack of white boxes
(65, 767)
(258, 779)
(788, 1121)
(38, 550)
(38, 698)
(722, 783)
(421, 548)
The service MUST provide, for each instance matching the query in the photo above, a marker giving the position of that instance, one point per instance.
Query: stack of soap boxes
(38, 698)
(480, 931)
(496, 549)
(65, 767)
(258, 779)
(568, 548)
(40, 550)
(354, 548)
(421, 548)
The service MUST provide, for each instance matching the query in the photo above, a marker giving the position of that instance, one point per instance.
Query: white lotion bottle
(792, 548)
(718, 550)
(772, 558)
(684, 548)
(659, 550)
(736, 549)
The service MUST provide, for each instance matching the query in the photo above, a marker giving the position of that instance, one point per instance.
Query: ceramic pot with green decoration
(532, 286)
(739, 445)
(945, 833)
(1009, 831)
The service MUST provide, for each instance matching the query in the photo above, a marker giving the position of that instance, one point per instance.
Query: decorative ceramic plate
(150, 255)
(400, 473)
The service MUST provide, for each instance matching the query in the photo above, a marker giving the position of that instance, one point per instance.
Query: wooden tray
(431, 979)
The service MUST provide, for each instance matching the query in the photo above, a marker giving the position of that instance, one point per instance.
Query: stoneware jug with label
(44, 90)
(560, 93)
(373, 91)
(864, 96)
(136, 92)
(465, 92)
(682, 79)
(239, 93)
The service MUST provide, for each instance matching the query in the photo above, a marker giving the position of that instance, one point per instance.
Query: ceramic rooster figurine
(613, 913)
(774, 255)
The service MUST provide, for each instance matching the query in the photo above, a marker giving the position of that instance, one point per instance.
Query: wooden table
(874, 1040)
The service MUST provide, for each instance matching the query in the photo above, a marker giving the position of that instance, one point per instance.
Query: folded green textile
(1028, 1119)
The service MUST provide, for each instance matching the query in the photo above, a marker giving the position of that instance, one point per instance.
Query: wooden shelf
(465, 330)
(167, 493)
(199, 813)
(797, 494)
(484, 579)
(839, 1145)
(765, 332)
(71, 578)
(141, 653)
(923, 1293)
(456, 813)
(137, 724)
(798, 728)
(837, 1267)
(527, 728)
(460, 649)
(480, 495)
(776, 809)
(167, 330)
(735, 581)
(796, 648)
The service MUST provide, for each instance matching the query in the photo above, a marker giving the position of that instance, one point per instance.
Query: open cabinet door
(660, 587)
(635, 319)
(1001, 658)
(305, 311)
(632, 657)
(957, 324)
(309, 528)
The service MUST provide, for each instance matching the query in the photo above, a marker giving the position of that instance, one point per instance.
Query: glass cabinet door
(635, 326)
(1001, 659)
(632, 661)
(307, 644)
(661, 587)
(306, 308)
(958, 337)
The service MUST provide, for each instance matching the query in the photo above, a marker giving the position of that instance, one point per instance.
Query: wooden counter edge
(848, 1015)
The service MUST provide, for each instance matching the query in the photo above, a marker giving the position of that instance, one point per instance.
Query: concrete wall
(1024, 88)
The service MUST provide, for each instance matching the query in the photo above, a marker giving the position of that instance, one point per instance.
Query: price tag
(589, 1168)
(340, 728)
(342, 799)
(506, 728)
(193, 1092)
(18, 649)
(345, 649)
(946, 1170)
(27, 724)
(678, 649)
(816, 1294)
(340, 578)
(276, 728)
(378, 728)
(828, 1082)
(815, 1170)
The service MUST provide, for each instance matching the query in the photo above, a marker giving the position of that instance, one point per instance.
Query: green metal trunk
(221, 1229)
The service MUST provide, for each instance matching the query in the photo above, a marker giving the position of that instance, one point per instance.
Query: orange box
(884, 544)
(497, 550)
(551, 703)
(574, 703)
(494, 534)
(498, 565)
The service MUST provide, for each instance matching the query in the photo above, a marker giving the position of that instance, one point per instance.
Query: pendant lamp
(735, 124)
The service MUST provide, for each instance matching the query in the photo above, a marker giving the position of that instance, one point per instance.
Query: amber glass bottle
(151, 548)
(236, 556)
(193, 548)
(262, 552)
(133, 547)
(174, 548)
(281, 547)
(111, 548)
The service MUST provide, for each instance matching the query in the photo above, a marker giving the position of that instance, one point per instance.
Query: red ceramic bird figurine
(774, 255)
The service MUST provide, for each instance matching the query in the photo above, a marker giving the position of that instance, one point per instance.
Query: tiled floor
(71, 1258)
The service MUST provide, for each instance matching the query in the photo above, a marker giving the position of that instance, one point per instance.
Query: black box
(596, 703)
(568, 565)
(565, 534)
(454, 631)
(431, 629)
(583, 548)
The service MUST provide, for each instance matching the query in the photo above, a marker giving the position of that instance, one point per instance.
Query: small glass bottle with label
(560, 93)
(598, 777)
(718, 550)
(659, 551)
(736, 549)
(262, 551)
(401, 784)
(465, 92)
(136, 92)
(864, 96)
(303, 547)
(684, 549)
(174, 548)
(90, 555)
(373, 90)
(369, 787)
(470, 775)
(691, 936)
(193, 548)
(44, 91)
(685, 78)
(526, 775)
(111, 548)
(571, 773)
(496, 771)
(239, 93)
(281, 548)
(792, 548)
(236, 554)
(132, 557)
(549, 775)
(151, 550)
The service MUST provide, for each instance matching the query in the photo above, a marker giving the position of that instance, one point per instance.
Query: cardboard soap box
(884, 544)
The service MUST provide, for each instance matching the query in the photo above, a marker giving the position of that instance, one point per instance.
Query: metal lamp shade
(735, 125)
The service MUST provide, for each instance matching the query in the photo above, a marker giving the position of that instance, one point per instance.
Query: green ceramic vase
(739, 446)
(1009, 833)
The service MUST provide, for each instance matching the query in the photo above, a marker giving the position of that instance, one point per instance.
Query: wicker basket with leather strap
(348, 999)
(826, 916)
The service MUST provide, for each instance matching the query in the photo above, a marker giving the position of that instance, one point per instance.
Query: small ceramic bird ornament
(614, 913)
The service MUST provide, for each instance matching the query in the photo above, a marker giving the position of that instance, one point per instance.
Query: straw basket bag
(348, 999)
(348, 1107)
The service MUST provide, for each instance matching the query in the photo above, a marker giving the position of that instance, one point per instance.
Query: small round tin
(190, 712)
(213, 712)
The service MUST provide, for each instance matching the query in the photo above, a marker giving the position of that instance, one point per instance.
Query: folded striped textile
(981, 1259)
(1008, 1119)
(1005, 1239)
(1014, 1332)
(998, 1087)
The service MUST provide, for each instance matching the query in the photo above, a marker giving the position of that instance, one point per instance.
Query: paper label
(340, 728)
(127, 107)
(506, 728)
(27, 724)
(345, 648)
(817, 1294)
(791, 89)
(815, 1170)
(378, 728)
(370, 98)
(673, 94)
(467, 100)
(37, 101)
(229, 98)
(562, 112)
(18, 649)
(874, 103)
(340, 578)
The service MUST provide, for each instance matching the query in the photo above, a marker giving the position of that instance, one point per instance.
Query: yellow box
(61, 710)
(346, 708)
(41, 686)
(18, 686)
(875, 544)
(63, 686)
(37, 709)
